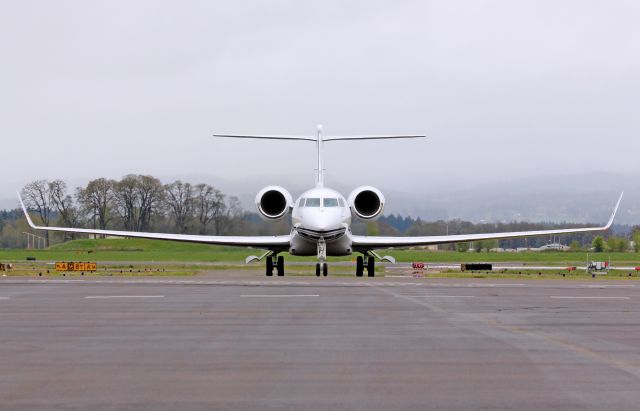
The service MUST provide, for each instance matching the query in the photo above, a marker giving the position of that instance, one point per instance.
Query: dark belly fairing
(304, 247)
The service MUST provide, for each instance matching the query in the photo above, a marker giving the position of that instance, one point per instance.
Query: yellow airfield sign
(75, 266)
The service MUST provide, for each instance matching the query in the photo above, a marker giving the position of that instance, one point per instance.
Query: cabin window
(330, 202)
(301, 202)
(312, 202)
(341, 202)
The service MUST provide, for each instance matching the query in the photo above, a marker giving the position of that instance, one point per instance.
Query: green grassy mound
(121, 249)
(133, 245)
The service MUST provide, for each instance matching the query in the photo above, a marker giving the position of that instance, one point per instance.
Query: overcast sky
(503, 89)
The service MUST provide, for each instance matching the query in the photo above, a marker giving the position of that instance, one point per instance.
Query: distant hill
(575, 199)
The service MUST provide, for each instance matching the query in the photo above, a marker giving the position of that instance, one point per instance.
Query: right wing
(367, 243)
(274, 243)
(372, 137)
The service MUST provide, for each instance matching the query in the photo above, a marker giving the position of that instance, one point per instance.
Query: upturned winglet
(613, 215)
(26, 213)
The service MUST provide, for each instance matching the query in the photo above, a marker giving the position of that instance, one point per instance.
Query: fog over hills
(553, 198)
(570, 198)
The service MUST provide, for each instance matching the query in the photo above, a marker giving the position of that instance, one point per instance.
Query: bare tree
(230, 213)
(125, 196)
(69, 215)
(151, 196)
(96, 200)
(208, 204)
(180, 201)
(137, 198)
(37, 196)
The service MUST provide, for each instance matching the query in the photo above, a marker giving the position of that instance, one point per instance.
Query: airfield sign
(75, 266)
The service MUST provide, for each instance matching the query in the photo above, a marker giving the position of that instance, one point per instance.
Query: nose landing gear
(322, 256)
(322, 267)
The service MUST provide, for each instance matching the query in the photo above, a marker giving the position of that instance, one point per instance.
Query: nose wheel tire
(359, 266)
(269, 265)
(280, 266)
(322, 268)
(371, 266)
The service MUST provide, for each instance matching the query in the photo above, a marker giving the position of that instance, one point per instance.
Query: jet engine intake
(366, 202)
(273, 203)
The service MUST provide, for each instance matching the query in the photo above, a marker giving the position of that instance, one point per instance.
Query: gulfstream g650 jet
(320, 221)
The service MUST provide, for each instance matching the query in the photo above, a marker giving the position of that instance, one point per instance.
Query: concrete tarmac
(238, 340)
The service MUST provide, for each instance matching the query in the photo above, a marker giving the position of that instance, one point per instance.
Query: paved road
(240, 341)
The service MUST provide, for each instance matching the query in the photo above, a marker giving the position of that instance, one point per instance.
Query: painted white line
(610, 286)
(122, 296)
(278, 295)
(589, 297)
(497, 285)
(439, 296)
(4, 298)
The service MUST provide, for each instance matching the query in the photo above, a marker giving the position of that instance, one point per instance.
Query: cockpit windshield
(330, 202)
(312, 202)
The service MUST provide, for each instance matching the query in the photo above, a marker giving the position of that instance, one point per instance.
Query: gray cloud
(505, 90)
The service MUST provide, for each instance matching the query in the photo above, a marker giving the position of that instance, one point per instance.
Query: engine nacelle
(366, 202)
(273, 203)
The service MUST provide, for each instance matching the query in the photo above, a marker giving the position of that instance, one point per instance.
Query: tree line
(393, 225)
(144, 203)
(134, 203)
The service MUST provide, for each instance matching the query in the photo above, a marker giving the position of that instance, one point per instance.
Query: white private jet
(321, 220)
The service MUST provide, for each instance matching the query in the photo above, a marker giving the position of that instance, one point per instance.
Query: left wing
(365, 243)
(274, 243)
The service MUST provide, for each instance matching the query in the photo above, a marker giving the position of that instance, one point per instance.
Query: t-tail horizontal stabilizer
(319, 139)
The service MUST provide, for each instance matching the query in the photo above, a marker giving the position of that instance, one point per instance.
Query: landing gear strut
(322, 256)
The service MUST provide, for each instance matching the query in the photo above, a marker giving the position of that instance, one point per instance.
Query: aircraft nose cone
(321, 225)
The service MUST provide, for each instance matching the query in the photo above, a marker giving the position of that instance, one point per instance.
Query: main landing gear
(322, 268)
(370, 266)
(278, 264)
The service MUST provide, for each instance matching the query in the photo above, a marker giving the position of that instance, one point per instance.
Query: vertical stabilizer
(319, 148)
